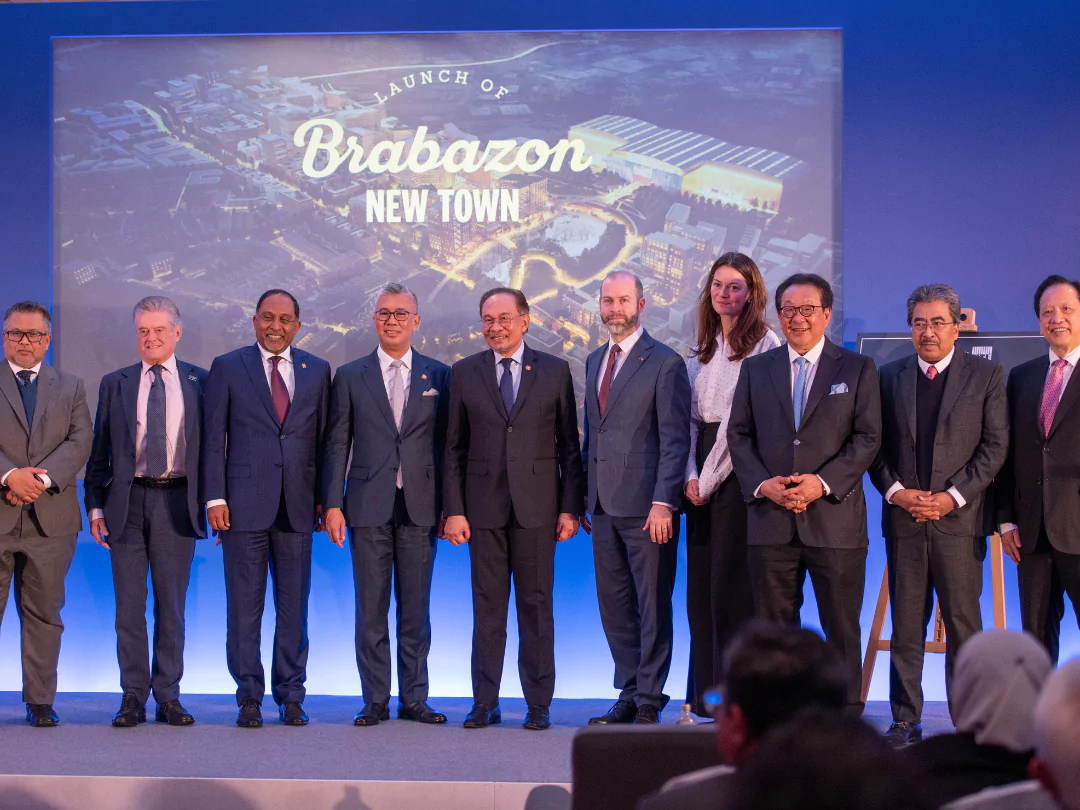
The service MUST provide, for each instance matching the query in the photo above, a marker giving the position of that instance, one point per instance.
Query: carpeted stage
(88, 765)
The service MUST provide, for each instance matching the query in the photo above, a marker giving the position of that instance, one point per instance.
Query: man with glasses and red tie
(45, 436)
(805, 426)
(388, 410)
(1038, 490)
(266, 412)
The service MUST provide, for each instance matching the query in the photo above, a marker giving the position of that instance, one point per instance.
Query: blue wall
(960, 165)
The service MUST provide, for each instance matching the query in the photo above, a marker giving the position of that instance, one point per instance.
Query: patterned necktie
(157, 454)
(1051, 395)
(25, 377)
(931, 372)
(609, 375)
(506, 385)
(798, 396)
(279, 392)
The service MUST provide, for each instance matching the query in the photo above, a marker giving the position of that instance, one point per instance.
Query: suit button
(797, 442)
(1039, 482)
(133, 455)
(282, 436)
(511, 458)
(600, 430)
(30, 456)
(393, 469)
(509, 428)
(278, 465)
(400, 441)
(1046, 449)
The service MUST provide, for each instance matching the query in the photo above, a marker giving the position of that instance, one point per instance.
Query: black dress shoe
(173, 713)
(647, 715)
(903, 733)
(131, 712)
(482, 717)
(41, 715)
(292, 714)
(372, 714)
(250, 715)
(538, 718)
(623, 711)
(420, 712)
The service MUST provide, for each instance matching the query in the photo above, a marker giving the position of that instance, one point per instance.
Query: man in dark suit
(1038, 489)
(45, 436)
(143, 481)
(266, 410)
(513, 488)
(637, 440)
(389, 410)
(805, 426)
(944, 437)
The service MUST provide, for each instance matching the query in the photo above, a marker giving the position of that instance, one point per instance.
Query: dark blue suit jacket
(248, 456)
(361, 421)
(111, 467)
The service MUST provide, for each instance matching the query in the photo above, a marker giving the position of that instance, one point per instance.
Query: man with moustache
(45, 436)
(389, 411)
(805, 426)
(513, 489)
(637, 441)
(142, 480)
(1038, 490)
(266, 411)
(944, 437)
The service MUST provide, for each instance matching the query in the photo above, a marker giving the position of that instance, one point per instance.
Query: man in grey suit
(45, 436)
(389, 410)
(637, 440)
(805, 426)
(945, 435)
(142, 480)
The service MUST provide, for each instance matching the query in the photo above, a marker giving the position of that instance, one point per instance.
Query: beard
(619, 328)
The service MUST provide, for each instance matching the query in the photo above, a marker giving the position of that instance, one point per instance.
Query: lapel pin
(303, 365)
(641, 359)
(423, 376)
(528, 368)
(192, 377)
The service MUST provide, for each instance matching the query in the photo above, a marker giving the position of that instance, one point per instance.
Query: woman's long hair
(750, 326)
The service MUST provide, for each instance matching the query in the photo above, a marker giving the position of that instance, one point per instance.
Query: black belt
(160, 483)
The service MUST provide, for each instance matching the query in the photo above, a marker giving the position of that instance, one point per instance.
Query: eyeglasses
(806, 310)
(16, 336)
(935, 325)
(399, 315)
(503, 320)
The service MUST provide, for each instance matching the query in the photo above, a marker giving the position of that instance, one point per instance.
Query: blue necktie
(798, 396)
(506, 385)
(157, 457)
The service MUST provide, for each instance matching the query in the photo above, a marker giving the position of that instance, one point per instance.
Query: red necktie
(278, 390)
(609, 373)
(1051, 395)
(931, 372)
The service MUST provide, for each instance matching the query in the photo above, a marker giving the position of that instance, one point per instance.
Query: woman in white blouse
(731, 327)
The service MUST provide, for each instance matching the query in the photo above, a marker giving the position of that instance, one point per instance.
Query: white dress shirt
(515, 367)
(34, 371)
(405, 371)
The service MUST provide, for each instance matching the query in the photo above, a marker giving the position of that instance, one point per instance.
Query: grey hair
(158, 303)
(397, 288)
(638, 288)
(31, 308)
(934, 292)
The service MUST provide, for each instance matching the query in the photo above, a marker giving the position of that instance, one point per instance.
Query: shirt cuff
(1007, 527)
(956, 496)
(757, 492)
(96, 514)
(3, 481)
(826, 486)
(215, 502)
(661, 503)
(893, 490)
(45, 480)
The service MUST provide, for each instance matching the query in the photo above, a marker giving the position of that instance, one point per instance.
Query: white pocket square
(839, 388)
(431, 392)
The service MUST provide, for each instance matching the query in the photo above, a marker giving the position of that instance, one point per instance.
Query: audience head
(825, 761)
(997, 680)
(396, 317)
(933, 313)
(277, 320)
(1057, 304)
(1057, 742)
(733, 289)
(771, 672)
(157, 328)
(27, 333)
(804, 303)
(622, 298)
(504, 314)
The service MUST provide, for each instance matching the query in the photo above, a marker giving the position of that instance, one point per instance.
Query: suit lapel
(373, 378)
(303, 375)
(129, 397)
(780, 371)
(1065, 404)
(252, 360)
(419, 382)
(630, 365)
(10, 387)
(1031, 391)
(487, 373)
(528, 358)
(592, 404)
(829, 365)
(46, 387)
(955, 380)
(191, 396)
(908, 380)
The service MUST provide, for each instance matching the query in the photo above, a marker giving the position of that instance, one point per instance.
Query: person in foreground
(1057, 745)
(388, 410)
(945, 435)
(142, 499)
(266, 410)
(45, 437)
(996, 682)
(513, 490)
(771, 672)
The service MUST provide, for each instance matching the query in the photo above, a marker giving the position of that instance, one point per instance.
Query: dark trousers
(925, 561)
(635, 578)
(404, 552)
(247, 555)
(37, 564)
(157, 536)
(528, 557)
(718, 595)
(777, 575)
(1045, 576)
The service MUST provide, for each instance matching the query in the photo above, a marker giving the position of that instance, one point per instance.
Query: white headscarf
(998, 677)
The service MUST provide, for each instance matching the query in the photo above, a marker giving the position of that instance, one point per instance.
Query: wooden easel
(876, 643)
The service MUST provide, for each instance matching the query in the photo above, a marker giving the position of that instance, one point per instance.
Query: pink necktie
(1051, 395)
(931, 372)
(279, 392)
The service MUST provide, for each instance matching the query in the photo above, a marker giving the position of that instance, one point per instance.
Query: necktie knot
(25, 377)
(801, 362)
(931, 372)
(1060, 364)
(396, 364)
(156, 371)
(275, 359)
(506, 363)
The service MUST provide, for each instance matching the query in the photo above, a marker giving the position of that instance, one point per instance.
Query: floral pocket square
(431, 392)
(839, 388)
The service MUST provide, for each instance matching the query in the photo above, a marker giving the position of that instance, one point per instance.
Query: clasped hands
(808, 488)
(24, 485)
(924, 506)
